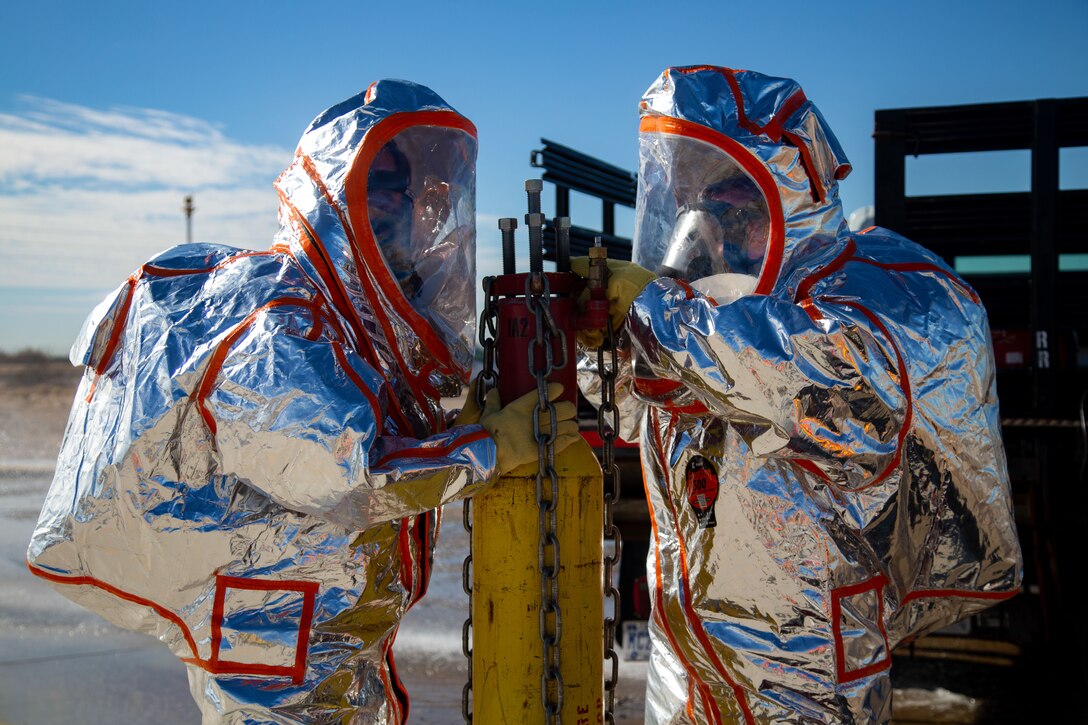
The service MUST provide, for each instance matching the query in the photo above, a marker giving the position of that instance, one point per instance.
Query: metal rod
(535, 221)
(562, 244)
(586, 160)
(533, 187)
(562, 200)
(562, 172)
(507, 225)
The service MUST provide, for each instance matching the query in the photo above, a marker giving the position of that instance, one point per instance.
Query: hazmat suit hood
(816, 414)
(379, 207)
(738, 177)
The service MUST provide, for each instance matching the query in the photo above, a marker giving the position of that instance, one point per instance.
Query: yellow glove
(626, 280)
(470, 413)
(512, 427)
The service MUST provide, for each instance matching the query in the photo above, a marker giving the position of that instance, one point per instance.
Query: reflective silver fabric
(255, 453)
(821, 447)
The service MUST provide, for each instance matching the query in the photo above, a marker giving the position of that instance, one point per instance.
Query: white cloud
(86, 195)
(53, 142)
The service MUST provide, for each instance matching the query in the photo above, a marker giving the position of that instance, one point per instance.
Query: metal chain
(1039, 423)
(486, 380)
(608, 422)
(488, 377)
(466, 628)
(538, 296)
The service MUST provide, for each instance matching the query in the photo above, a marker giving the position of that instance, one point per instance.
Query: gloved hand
(512, 427)
(470, 413)
(626, 280)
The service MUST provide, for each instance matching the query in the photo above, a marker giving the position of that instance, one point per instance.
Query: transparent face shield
(699, 214)
(421, 201)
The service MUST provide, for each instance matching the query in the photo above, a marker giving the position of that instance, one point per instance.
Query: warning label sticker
(702, 490)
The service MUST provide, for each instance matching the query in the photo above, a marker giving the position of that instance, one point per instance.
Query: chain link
(537, 296)
(1039, 423)
(608, 423)
(486, 380)
(489, 325)
(466, 628)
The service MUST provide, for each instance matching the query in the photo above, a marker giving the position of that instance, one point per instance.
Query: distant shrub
(28, 355)
(30, 368)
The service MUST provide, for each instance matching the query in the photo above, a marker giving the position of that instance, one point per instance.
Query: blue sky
(111, 112)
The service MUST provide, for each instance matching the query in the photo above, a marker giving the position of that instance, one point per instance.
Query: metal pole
(188, 208)
(1044, 254)
(890, 168)
(535, 221)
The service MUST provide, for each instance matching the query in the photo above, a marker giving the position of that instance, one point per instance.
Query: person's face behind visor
(390, 205)
(421, 200)
(699, 214)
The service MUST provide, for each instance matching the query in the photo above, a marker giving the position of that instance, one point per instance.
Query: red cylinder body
(517, 334)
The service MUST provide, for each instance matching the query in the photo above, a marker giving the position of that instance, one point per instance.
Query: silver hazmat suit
(817, 417)
(253, 462)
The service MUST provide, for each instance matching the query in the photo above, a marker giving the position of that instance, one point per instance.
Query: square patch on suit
(261, 626)
(857, 620)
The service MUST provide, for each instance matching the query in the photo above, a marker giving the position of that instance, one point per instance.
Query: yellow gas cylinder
(507, 650)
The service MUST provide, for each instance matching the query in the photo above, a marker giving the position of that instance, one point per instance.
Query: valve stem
(507, 225)
(535, 221)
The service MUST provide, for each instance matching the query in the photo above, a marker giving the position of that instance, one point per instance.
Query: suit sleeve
(823, 383)
(302, 421)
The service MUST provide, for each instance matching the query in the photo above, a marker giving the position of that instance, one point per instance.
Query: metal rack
(568, 169)
(1043, 223)
(1040, 323)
